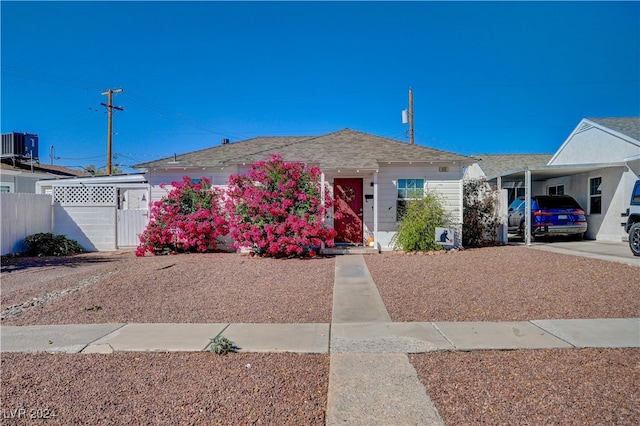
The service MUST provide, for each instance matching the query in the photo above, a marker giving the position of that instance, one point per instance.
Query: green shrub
(221, 345)
(47, 244)
(480, 219)
(418, 226)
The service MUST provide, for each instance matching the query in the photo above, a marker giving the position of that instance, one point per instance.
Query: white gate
(101, 217)
(131, 223)
(86, 214)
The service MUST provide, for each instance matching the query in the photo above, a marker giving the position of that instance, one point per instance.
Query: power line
(86, 84)
(72, 119)
(79, 158)
(48, 77)
(139, 100)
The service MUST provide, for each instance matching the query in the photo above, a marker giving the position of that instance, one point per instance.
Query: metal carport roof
(539, 173)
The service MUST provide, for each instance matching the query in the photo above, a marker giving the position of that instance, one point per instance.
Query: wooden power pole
(109, 105)
(411, 140)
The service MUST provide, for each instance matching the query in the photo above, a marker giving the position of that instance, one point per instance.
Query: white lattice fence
(85, 195)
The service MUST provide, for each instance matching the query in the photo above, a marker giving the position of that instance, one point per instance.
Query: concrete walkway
(371, 380)
(369, 388)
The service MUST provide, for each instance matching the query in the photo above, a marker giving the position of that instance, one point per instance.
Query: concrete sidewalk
(355, 337)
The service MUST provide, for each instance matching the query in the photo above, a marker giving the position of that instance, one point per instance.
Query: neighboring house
(21, 176)
(597, 164)
(372, 177)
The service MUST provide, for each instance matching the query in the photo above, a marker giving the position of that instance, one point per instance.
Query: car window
(516, 204)
(635, 198)
(558, 203)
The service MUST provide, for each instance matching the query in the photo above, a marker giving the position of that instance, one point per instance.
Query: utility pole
(411, 140)
(110, 108)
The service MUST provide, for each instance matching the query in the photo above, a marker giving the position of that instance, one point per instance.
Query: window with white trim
(555, 190)
(408, 189)
(6, 187)
(595, 195)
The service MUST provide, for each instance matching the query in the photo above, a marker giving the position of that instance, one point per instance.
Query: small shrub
(48, 244)
(221, 345)
(480, 218)
(418, 226)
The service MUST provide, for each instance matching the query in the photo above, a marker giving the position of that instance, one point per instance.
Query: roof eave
(560, 170)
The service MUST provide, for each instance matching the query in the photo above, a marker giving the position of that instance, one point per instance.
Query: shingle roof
(493, 165)
(629, 126)
(41, 168)
(348, 149)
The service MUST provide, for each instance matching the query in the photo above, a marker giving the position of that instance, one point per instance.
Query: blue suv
(550, 215)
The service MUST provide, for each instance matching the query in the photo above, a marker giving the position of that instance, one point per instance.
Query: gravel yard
(541, 387)
(569, 386)
(504, 284)
(187, 288)
(165, 388)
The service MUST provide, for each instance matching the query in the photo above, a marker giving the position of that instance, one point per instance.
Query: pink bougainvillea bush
(277, 209)
(190, 218)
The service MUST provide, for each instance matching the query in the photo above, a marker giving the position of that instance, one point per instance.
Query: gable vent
(584, 128)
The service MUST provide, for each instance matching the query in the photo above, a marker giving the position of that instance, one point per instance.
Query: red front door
(348, 202)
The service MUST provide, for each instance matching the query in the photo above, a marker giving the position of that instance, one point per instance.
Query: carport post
(504, 215)
(375, 210)
(527, 207)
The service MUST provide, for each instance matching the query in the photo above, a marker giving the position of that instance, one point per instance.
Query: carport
(524, 178)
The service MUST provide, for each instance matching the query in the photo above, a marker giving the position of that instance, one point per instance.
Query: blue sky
(487, 77)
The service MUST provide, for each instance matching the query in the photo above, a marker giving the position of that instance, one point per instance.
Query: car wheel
(634, 239)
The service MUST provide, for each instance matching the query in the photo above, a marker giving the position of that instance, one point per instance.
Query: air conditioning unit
(20, 145)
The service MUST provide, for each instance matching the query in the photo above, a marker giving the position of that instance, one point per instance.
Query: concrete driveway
(605, 250)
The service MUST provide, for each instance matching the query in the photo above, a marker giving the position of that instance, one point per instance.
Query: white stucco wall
(594, 146)
(93, 227)
(474, 171)
(616, 192)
